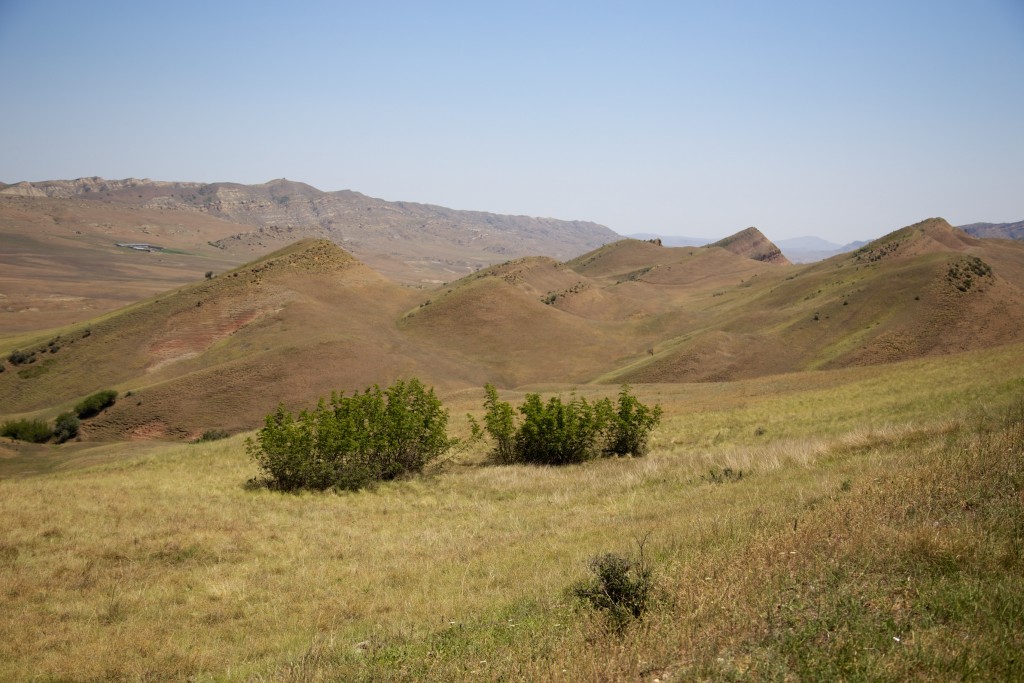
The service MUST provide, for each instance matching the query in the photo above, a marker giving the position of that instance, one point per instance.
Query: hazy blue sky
(844, 120)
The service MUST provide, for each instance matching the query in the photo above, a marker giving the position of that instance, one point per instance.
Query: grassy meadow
(861, 524)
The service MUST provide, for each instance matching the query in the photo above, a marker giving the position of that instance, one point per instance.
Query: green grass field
(876, 533)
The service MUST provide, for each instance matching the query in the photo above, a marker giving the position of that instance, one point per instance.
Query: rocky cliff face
(283, 211)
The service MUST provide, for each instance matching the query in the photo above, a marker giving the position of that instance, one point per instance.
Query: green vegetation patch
(352, 441)
(95, 403)
(32, 431)
(562, 433)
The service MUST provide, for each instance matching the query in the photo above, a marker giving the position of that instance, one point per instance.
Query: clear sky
(843, 120)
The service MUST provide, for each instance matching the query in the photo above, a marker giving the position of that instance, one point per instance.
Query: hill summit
(752, 244)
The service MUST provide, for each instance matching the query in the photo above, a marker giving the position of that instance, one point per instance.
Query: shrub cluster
(96, 403)
(65, 427)
(559, 433)
(22, 357)
(33, 431)
(353, 441)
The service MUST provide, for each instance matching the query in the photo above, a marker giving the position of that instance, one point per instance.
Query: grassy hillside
(856, 524)
(923, 290)
(311, 319)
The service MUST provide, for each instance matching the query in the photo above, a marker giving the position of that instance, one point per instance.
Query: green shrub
(96, 403)
(65, 427)
(353, 441)
(632, 424)
(32, 431)
(500, 423)
(559, 433)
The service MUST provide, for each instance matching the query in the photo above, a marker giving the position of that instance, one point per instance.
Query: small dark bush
(621, 587)
(96, 403)
(21, 357)
(65, 427)
(32, 431)
(353, 441)
(212, 435)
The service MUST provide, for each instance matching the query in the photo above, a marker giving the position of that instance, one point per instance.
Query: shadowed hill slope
(752, 244)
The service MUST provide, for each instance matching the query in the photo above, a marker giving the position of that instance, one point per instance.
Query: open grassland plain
(855, 524)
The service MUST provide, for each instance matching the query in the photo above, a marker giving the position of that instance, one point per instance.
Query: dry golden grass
(161, 565)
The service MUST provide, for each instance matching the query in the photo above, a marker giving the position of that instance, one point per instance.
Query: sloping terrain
(924, 290)
(60, 263)
(304, 320)
(311, 319)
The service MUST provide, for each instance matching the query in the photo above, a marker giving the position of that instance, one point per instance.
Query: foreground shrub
(96, 403)
(32, 431)
(620, 587)
(65, 427)
(353, 441)
(559, 433)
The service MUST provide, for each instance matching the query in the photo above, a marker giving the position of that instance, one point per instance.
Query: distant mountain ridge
(1008, 231)
(429, 239)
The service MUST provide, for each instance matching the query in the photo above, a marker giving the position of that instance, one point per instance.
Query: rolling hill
(311, 318)
(60, 261)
